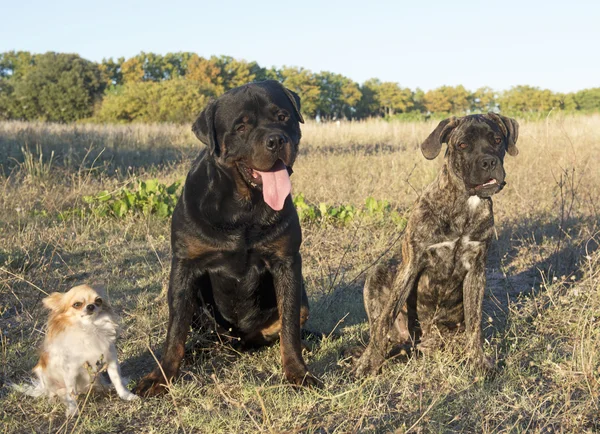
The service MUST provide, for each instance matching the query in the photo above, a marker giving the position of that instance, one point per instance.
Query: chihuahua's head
(81, 303)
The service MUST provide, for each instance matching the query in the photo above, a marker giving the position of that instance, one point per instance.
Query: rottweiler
(235, 233)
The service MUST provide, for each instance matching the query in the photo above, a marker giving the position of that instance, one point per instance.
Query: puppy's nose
(489, 163)
(90, 307)
(275, 141)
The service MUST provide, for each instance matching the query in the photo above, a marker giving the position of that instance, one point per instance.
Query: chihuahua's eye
(497, 140)
(462, 145)
(77, 305)
(241, 128)
(98, 302)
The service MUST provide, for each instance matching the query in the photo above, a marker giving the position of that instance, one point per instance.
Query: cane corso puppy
(235, 233)
(436, 283)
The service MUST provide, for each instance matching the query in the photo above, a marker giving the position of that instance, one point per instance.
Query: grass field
(541, 308)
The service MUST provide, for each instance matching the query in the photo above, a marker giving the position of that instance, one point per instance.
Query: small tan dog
(79, 343)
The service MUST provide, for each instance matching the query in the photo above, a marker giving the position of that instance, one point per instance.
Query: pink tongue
(276, 185)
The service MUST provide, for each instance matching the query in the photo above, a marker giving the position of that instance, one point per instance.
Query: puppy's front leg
(473, 291)
(114, 372)
(374, 355)
(287, 277)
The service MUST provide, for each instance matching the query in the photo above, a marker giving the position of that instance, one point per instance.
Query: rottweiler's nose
(489, 163)
(90, 307)
(275, 141)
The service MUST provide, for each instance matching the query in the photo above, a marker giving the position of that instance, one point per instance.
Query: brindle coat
(437, 284)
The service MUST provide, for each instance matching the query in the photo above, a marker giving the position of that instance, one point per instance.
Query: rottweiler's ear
(510, 128)
(295, 100)
(204, 128)
(432, 145)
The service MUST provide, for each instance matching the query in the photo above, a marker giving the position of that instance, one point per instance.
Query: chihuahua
(79, 344)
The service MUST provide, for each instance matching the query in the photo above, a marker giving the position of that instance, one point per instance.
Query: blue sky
(426, 44)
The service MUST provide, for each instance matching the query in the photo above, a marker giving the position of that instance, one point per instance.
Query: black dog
(438, 282)
(235, 233)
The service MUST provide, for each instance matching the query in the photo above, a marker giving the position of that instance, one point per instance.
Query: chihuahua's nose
(90, 307)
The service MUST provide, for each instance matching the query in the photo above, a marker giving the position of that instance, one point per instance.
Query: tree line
(174, 87)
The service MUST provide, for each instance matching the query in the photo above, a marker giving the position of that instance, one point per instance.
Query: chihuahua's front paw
(128, 396)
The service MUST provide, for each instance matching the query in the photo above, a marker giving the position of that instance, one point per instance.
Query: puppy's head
(477, 145)
(81, 303)
(255, 129)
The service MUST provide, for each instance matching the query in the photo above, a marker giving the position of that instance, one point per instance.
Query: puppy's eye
(462, 145)
(497, 140)
(283, 116)
(77, 305)
(98, 302)
(241, 128)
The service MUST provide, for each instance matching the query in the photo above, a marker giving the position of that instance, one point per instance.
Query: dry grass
(543, 331)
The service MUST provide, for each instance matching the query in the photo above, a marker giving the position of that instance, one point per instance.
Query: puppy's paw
(152, 384)
(487, 365)
(353, 354)
(369, 363)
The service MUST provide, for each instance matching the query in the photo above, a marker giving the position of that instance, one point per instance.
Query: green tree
(338, 96)
(588, 99)
(393, 98)
(238, 72)
(369, 105)
(447, 99)
(483, 100)
(16, 64)
(112, 74)
(523, 99)
(177, 100)
(206, 73)
(59, 87)
(305, 84)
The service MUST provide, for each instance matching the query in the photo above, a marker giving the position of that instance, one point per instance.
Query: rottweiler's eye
(77, 305)
(241, 128)
(98, 302)
(282, 117)
(497, 140)
(462, 145)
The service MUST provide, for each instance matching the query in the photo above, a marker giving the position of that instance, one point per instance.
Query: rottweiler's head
(476, 148)
(254, 129)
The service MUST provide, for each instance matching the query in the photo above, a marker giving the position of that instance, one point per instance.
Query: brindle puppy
(437, 284)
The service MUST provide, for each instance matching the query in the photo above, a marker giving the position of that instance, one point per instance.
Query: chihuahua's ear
(53, 301)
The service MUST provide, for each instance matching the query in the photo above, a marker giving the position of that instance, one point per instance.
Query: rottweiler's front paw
(152, 384)
(369, 363)
(299, 376)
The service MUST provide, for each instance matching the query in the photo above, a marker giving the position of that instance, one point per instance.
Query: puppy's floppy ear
(433, 144)
(53, 301)
(295, 100)
(204, 128)
(510, 128)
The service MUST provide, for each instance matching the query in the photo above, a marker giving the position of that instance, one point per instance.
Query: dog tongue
(276, 185)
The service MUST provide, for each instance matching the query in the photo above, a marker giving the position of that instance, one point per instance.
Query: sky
(426, 44)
